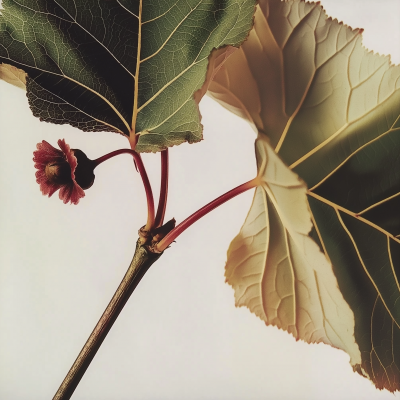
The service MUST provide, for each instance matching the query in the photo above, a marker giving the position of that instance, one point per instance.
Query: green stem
(141, 262)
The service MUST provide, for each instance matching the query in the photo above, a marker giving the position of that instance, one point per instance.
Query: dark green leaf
(123, 66)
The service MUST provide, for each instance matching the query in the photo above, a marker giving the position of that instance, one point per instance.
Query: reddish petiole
(146, 183)
(171, 236)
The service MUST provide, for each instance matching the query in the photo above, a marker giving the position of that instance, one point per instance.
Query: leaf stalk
(146, 183)
(171, 236)
(162, 204)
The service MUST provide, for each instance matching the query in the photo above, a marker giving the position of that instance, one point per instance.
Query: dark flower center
(58, 172)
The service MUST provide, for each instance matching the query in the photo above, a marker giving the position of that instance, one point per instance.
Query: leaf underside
(331, 110)
(126, 66)
(278, 271)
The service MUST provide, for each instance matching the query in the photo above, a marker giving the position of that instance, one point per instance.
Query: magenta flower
(67, 169)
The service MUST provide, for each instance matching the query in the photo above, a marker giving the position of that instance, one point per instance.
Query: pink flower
(67, 169)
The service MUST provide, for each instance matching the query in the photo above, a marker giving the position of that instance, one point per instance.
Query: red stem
(106, 157)
(162, 204)
(145, 179)
(171, 236)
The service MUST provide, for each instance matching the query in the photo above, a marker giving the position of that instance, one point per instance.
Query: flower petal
(46, 154)
(72, 192)
(46, 187)
(72, 161)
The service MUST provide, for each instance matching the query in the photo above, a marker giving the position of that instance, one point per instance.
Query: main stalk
(141, 262)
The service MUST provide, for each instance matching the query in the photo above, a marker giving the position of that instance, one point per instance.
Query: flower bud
(84, 175)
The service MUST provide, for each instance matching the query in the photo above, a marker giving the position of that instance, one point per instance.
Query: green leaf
(331, 110)
(124, 66)
(278, 271)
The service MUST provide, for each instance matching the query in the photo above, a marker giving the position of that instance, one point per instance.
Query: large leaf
(278, 271)
(127, 66)
(331, 110)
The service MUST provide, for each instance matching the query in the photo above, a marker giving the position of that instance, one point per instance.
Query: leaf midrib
(136, 88)
(195, 62)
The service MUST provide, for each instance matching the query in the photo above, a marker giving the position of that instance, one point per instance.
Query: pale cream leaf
(278, 271)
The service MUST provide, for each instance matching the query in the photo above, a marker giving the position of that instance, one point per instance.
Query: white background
(180, 336)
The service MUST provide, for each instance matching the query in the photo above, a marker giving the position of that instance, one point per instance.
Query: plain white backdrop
(180, 336)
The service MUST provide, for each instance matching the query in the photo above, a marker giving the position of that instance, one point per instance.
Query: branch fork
(154, 238)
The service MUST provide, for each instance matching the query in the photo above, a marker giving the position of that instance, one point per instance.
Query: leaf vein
(171, 34)
(345, 210)
(351, 155)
